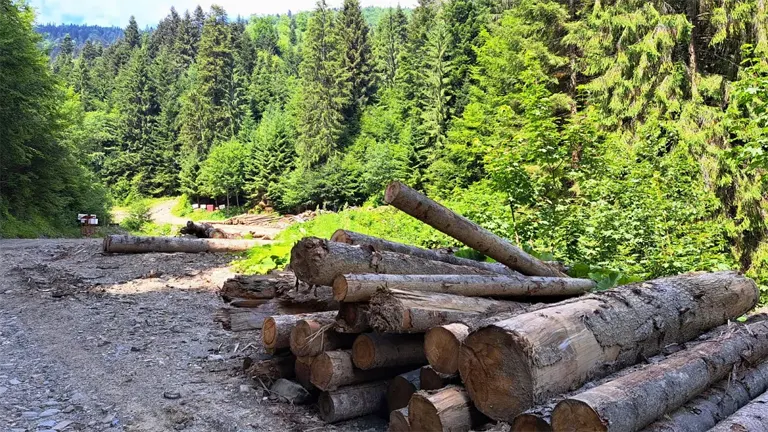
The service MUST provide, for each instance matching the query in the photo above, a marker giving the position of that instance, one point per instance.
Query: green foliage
(138, 216)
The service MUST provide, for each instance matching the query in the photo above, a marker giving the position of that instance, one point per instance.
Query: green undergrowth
(35, 226)
(183, 208)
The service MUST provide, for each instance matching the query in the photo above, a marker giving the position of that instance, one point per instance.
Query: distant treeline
(54, 34)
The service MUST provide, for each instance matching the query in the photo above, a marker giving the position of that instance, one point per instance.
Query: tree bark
(303, 372)
(448, 409)
(259, 286)
(361, 287)
(315, 336)
(334, 369)
(270, 368)
(752, 417)
(132, 244)
(430, 379)
(397, 311)
(317, 262)
(466, 231)
(631, 402)
(276, 330)
(374, 350)
(252, 315)
(442, 345)
(398, 421)
(724, 398)
(513, 364)
(203, 230)
(353, 401)
(353, 238)
(401, 388)
(353, 318)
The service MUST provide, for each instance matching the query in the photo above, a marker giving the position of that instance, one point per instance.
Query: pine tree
(391, 37)
(357, 61)
(272, 154)
(64, 65)
(269, 84)
(436, 94)
(185, 44)
(131, 34)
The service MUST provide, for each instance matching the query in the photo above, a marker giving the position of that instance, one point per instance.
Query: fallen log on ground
(257, 286)
(276, 330)
(361, 287)
(203, 230)
(430, 379)
(270, 368)
(313, 337)
(353, 238)
(132, 244)
(753, 417)
(398, 421)
(353, 318)
(334, 369)
(375, 350)
(353, 401)
(397, 311)
(443, 219)
(401, 388)
(513, 364)
(448, 409)
(303, 372)
(254, 316)
(724, 398)
(317, 262)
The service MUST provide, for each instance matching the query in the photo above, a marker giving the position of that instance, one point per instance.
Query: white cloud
(149, 12)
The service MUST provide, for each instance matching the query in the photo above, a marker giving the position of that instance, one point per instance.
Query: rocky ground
(94, 342)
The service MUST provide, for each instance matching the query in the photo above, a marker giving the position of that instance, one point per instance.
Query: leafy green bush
(182, 207)
(138, 216)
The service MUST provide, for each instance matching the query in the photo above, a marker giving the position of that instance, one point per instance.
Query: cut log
(203, 230)
(334, 369)
(442, 345)
(353, 318)
(752, 418)
(353, 401)
(448, 409)
(317, 262)
(270, 368)
(396, 311)
(529, 422)
(361, 287)
(254, 316)
(398, 421)
(401, 388)
(374, 350)
(132, 244)
(513, 364)
(257, 286)
(462, 229)
(634, 401)
(724, 398)
(315, 336)
(430, 379)
(276, 330)
(303, 372)
(353, 238)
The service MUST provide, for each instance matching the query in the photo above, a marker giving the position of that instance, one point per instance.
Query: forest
(615, 135)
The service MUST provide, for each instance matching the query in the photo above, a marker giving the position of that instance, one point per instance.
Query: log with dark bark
(334, 369)
(513, 364)
(303, 372)
(631, 402)
(353, 238)
(443, 219)
(401, 388)
(448, 409)
(361, 287)
(317, 262)
(353, 401)
(353, 318)
(315, 336)
(270, 368)
(276, 330)
(375, 350)
(132, 244)
(203, 230)
(398, 421)
(397, 311)
(752, 418)
(430, 379)
(257, 286)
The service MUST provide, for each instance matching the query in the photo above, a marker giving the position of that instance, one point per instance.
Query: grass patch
(183, 208)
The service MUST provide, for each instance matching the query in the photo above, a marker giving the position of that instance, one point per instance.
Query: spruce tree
(391, 37)
(357, 61)
(131, 34)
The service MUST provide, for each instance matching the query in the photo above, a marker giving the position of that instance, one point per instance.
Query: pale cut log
(724, 398)
(401, 388)
(353, 318)
(375, 350)
(512, 365)
(430, 379)
(462, 229)
(132, 244)
(270, 368)
(380, 244)
(631, 402)
(398, 421)
(303, 372)
(448, 409)
(353, 401)
(334, 369)
(442, 345)
(361, 287)
(315, 336)
(752, 418)
(396, 311)
(276, 329)
(317, 262)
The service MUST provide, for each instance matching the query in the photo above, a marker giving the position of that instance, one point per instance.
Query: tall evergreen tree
(131, 34)
(357, 61)
(391, 37)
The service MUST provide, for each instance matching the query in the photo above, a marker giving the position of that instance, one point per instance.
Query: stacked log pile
(435, 342)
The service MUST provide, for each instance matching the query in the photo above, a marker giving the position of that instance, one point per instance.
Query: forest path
(161, 213)
(126, 343)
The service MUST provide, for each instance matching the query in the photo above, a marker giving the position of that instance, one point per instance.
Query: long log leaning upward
(132, 244)
(724, 398)
(311, 337)
(466, 231)
(361, 287)
(334, 369)
(752, 417)
(353, 401)
(634, 401)
(375, 350)
(317, 262)
(276, 329)
(353, 318)
(513, 365)
(353, 238)
(398, 421)
(401, 388)
(397, 311)
(448, 409)
(430, 379)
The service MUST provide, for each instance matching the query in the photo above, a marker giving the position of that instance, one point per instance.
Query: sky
(149, 12)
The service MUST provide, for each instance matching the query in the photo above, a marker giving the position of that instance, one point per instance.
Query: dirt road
(94, 342)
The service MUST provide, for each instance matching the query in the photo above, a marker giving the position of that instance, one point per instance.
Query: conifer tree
(357, 61)
(131, 35)
(391, 37)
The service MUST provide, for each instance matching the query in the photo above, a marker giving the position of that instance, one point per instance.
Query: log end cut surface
(530, 423)
(398, 421)
(364, 352)
(573, 415)
(340, 288)
(442, 345)
(269, 332)
(322, 371)
(428, 419)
